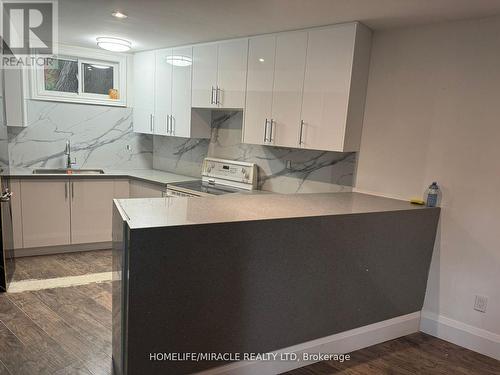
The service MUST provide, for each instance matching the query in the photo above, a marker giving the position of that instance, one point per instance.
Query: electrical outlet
(480, 303)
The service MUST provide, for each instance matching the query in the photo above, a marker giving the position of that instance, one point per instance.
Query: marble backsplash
(307, 171)
(101, 137)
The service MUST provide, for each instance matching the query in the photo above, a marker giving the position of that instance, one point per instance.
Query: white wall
(433, 113)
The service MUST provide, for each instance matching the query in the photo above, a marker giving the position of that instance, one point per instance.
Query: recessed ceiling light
(119, 14)
(113, 44)
(179, 60)
(261, 59)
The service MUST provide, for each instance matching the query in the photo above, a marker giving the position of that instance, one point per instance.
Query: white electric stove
(218, 176)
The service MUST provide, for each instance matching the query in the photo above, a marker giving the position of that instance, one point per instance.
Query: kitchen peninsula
(259, 273)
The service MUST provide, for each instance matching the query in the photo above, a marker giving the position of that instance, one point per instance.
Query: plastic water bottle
(432, 195)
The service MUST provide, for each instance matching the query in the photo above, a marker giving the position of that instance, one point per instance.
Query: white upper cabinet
(204, 76)
(259, 98)
(275, 81)
(287, 90)
(318, 92)
(180, 121)
(163, 91)
(232, 73)
(144, 92)
(219, 74)
(15, 105)
(299, 89)
(335, 87)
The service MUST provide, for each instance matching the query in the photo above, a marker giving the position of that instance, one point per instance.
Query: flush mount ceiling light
(99, 66)
(179, 60)
(118, 14)
(113, 44)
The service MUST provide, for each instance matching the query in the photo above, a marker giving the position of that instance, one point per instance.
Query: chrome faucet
(67, 152)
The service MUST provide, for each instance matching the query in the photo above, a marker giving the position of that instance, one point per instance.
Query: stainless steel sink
(68, 171)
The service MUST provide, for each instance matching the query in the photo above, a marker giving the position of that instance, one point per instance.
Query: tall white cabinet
(219, 74)
(319, 79)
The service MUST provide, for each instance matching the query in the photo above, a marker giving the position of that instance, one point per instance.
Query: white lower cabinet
(45, 212)
(91, 210)
(65, 211)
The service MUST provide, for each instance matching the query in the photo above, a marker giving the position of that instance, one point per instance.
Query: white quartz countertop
(180, 211)
(148, 175)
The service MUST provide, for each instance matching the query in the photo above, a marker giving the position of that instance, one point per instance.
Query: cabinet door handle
(300, 134)
(72, 190)
(217, 98)
(172, 125)
(271, 131)
(212, 100)
(151, 123)
(265, 131)
(168, 121)
(66, 190)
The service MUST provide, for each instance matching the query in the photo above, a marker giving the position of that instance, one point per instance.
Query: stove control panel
(233, 173)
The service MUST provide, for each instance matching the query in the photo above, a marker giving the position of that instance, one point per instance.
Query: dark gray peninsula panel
(260, 273)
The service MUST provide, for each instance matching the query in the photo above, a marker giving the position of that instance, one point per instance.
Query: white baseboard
(58, 282)
(465, 335)
(48, 250)
(340, 343)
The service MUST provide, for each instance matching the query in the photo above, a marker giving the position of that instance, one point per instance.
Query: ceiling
(164, 23)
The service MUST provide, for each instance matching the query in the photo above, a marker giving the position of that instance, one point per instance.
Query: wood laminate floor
(56, 331)
(68, 331)
(410, 355)
(62, 265)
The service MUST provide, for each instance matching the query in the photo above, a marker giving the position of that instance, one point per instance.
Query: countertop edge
(132, 174)
(377, 207)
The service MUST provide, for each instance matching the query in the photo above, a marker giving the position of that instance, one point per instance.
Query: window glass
(61, 75)
(97, 78)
